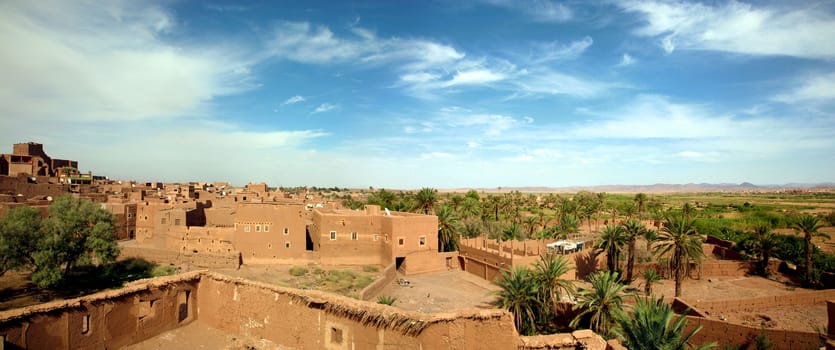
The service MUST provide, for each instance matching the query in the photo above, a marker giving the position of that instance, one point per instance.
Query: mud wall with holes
(316, 320)
(111, 319)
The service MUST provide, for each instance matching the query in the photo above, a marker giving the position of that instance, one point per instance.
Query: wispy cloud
(737, 27)
(555, 51)
(325, 107)
(815, 88)
(293, 100)
(106, 61)
(627, 60)
(538, 10)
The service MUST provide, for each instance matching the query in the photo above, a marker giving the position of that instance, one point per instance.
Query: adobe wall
(111, 319)
(429, 261)
(483, 263)
(316, 320)
(411, 228)
(372, 290)
(269, 231)
(367, 249)
(717, 307)
(171, 257)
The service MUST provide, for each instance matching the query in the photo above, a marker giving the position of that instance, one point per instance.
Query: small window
(401, 241)
(266, 228)
(130, 215)
(376, 237)
(85, 324)
(286, 244)
(387, 237)
(354, 236)
(257, 228)
(336, 335)
(246, 228)
(333, 235)
(177, 222)
(162, 221)
(286, 231)
(422, 241)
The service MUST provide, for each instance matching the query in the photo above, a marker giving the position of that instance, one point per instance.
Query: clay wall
(718, 307)
(314, 320)
(169, 257)
(725, 333)
(196, 239)
(372, 290)
(483, 263)
(15, 185)
(109, 319)
(429, 261)
(415, 232)
(269, 232)
(366, 249)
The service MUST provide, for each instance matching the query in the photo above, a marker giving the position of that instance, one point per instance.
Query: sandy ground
(442, 292)
(197, 335)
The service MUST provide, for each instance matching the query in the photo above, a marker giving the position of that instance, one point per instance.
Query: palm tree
(650, 277)
(548, 272)
(427, 199)
(764, 242)
(611, 241)
(679, 237)
(470, 207)
(569, 225)
(652, 327)
(518, 294)
(602, 304)
(809, 226)
(632, 230)
(448, 228)
(640, 199)
(512, 231)
(687, 209)
(530, 224)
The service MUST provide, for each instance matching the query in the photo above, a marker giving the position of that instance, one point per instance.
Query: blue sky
(407, 94)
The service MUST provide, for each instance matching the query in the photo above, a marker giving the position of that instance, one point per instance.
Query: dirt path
(442, 292)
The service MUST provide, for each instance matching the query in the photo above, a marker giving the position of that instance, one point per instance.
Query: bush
(159, 271)
(369, 268)
(298, 271)
(386, 300)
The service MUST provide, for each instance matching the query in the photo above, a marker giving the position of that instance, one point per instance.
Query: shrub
(298, 271)
(369, 268)
(386, 300)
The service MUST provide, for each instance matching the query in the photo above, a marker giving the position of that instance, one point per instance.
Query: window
(354, 236)
(85, 324)
(266, 228)
(376, 237)
(286, 231)
(257, 228)
(333, 235)
(177, 222)
(387, 237)
(286, 244)
(162, 221)
(336, 335)
(422, 241)
(246, 228)
(401, 241)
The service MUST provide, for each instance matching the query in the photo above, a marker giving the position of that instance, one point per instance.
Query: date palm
(519, 295)
(448, 228)
(602, 304)
(548, 272)
(809, 226)
(640, 202)
(632, 230)
(679, 238)
(652, 326)
(426, 200)
(611, 242)
(764, 242)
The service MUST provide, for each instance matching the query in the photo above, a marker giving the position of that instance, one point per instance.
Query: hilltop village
(208, 227)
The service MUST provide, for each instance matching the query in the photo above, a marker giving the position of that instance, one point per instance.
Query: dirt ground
(197, 335)
(344, 280)
(442, 292)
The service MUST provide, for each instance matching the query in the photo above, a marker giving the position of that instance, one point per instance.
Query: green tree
(569, 225)
(470, 207)
(652, 326)
(602, 304)
(426, 199)
(448, 228)
(650, 278)
(764, 242)
(548, 272)
(19, 237)
(519, 295)
(612, 239)
(77, 232)
(530, 223)
(809, 226)
(632, 229)
(510, 232)
(679, 238)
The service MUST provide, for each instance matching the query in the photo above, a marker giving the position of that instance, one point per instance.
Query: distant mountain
(658, 188)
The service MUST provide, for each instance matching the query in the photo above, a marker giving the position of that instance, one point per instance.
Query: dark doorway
(399, 262)
(308, 242)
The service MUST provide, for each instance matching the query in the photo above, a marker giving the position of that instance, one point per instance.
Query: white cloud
(555, 83)
(538, 10)
(437, 155)
(492, 124)
(816, 88)
(293, 100)
(738, 27)
(554, 51)
(474, 77)
(325, 107)
(105, 61)
(626, 60)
